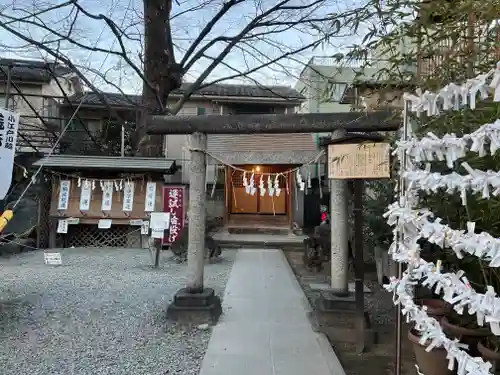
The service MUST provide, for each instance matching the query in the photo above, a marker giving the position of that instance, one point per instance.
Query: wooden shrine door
(244, 203)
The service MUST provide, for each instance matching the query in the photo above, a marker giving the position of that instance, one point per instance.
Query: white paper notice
(85, 195)
(136, 222)
(150, 200)
(53, 258)
(145, 227)
(157, 224)
(62, 226)
(166, 216)
(128, 196)
(73, 220)
(104, 223)
(64, 189)
(107, 196)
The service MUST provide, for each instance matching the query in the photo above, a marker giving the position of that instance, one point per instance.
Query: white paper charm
(64, 189)
(62, 226)
(128, 196)
(262, 189)
(85, 195)
(150, 200)
(104, 223)
(107, 196)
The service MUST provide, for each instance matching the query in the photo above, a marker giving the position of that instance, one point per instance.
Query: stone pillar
(197, 212)
(339, 231)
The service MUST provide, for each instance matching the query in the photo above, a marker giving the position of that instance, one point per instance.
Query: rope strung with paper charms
(416, 224)
(411, 224)
(431, 330)
(455, 287)
(450, 147)
(477, 181)
(457, 291)
(132, 177)
(454, 96)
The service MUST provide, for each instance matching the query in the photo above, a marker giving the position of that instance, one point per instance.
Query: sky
(188, 18)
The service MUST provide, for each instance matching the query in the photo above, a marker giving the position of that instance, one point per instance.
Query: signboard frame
(180, 211)
(353, 160)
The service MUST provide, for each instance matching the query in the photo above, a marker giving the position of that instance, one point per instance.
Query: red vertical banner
(173, 202)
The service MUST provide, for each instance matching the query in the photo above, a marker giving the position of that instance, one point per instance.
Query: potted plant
(433, 362)
(489, 350)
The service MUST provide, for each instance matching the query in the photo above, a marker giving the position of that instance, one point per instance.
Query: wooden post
(158, 251)
(362, 318)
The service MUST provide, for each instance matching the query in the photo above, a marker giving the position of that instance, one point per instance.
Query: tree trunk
(159, 64)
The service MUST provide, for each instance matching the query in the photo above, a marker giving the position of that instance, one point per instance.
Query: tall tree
(215, 41)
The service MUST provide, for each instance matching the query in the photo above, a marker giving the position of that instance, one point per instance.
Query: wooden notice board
(366, 160)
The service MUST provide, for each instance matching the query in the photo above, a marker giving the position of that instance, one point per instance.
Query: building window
(12, 102)
(93, 126)
(200, 111)
(335, 91)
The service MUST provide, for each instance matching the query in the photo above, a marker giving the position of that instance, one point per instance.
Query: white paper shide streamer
(64, 191)
(128, 196)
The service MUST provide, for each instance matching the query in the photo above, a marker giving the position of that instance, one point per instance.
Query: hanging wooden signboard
(366, 160)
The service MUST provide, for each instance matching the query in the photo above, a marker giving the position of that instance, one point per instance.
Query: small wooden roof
(111, 163)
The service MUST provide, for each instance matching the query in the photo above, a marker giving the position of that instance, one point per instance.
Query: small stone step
(232, 240)
(258, 230)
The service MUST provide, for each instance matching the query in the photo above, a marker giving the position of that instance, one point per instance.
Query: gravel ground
(101, 312)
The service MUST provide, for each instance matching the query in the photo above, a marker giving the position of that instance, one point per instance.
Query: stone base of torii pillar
(195, 308)
(194, 303)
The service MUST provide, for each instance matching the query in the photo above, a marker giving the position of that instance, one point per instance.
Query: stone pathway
(265, 328)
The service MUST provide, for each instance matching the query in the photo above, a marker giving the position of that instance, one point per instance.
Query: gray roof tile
(31, 70)
(106, 163)
(236, 91)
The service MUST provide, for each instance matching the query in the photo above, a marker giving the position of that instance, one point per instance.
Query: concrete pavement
(265, 329)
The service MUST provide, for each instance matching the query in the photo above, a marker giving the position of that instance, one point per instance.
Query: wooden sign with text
(365, 160)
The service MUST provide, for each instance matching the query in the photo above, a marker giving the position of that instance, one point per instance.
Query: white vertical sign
(9, 122)
(85, 195)
(145, 227)
(149, 204)
(107, 196)
(128, 196)
(62, 226)
(64, 189)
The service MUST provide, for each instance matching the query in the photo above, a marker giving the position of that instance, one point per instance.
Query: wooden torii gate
(194, 301)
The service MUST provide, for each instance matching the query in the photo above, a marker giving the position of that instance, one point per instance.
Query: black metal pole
(359, 264)
(401, 189)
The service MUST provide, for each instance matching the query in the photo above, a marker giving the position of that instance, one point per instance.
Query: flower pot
(468, 336)
(489, 355)
(436, 308)
(429, 363)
